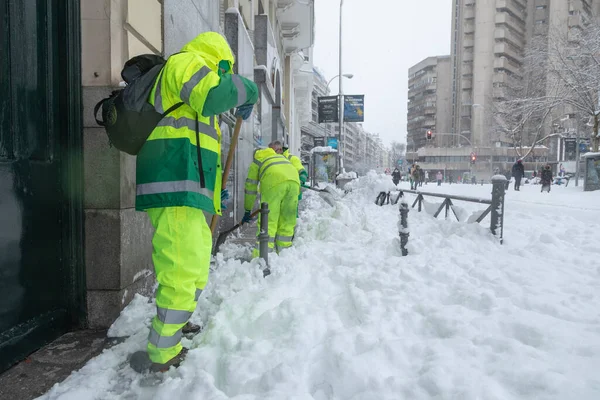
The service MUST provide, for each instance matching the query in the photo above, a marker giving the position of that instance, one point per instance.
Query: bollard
(404, 233)
(497, 214)
(263, 236)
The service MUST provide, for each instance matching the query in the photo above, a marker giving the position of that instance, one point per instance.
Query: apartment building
(313, 129)
(429, 102)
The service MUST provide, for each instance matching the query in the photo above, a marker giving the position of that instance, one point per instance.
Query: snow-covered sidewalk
(344, 316)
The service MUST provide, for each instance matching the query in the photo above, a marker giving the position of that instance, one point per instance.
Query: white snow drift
(344, 316)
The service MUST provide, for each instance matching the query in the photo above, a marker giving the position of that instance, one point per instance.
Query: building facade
(429, 103)
(488, 40)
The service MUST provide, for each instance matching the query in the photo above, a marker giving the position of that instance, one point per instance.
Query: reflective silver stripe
(168, 316)
(258, 163)
(173, 186)
(158, 106)
(197, 295)
(251, 181)
(241, 89)
(186, 90)
(283, 238)
(251, 192)
(183, 122)
(269, 166)
(163, 342)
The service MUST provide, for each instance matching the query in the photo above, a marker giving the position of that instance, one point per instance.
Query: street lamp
(349, 76)
(340, 166)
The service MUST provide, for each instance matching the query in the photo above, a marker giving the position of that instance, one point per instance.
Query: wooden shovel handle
(230, 155)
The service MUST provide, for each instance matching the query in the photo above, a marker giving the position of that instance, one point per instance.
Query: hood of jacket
(212, 47)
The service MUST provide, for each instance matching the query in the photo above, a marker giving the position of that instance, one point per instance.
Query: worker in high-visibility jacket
(178, 179)
(279, 187)
(302, 174)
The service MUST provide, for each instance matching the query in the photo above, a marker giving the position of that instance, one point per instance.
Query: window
(540, 7)
(540, 21)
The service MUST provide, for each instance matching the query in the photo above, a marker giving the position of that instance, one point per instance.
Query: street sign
(319, 141)
(328, 109)
(570, 145)
(332, 142)
(354, 108)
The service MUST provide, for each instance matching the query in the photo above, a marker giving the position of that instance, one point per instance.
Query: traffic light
(473, 158)
(429, 133)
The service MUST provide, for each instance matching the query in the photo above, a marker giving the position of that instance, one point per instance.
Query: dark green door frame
(70, 67)
(41, 161)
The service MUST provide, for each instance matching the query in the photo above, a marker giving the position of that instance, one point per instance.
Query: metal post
(577, 159)
(404, 233)
(341, 103)
(263, 236)
(497, 214)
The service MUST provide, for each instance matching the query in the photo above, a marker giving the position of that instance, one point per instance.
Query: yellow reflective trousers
(283, 205)
(182, 245)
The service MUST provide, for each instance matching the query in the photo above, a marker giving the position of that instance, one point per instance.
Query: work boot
(190, 329)
(140, 362)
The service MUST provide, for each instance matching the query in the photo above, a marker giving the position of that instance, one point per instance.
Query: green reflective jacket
(167, 165)
(269, 169)
(297, 163)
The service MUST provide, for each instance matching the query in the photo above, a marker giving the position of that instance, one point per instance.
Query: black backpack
(127, 116)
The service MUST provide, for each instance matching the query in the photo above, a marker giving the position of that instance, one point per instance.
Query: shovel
(230, 154)
(223, 235)
(328, 194)
(327, 190)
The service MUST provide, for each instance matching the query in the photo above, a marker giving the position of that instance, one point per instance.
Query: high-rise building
(429, 102)
(488, 41)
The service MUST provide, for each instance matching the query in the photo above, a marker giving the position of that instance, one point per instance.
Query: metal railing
(495, 204)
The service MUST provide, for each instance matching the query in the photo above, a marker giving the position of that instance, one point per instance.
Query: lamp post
(341, 100)
(340, 104)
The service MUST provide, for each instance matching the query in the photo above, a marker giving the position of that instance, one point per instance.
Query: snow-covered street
(344, 316)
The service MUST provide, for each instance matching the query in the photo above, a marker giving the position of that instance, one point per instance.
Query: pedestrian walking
(439, 177)
(518, 172)
(396, 175)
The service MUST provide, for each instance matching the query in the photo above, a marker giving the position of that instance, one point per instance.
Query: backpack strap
(96, 109)
(173, 108)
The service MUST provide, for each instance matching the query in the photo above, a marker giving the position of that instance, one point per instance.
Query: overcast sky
(382, 40)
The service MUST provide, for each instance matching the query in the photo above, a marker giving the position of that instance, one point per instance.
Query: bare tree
(530, 99)
(573, 62)
(397, 151)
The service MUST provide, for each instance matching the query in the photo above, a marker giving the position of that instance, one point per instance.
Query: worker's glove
(303, 178)
(247, 217)
(244, 111)
(224, 197)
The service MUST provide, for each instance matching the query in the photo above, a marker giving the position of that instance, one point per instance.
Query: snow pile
(370, 185)
(344, 316)
(348, 175)
(323, 149)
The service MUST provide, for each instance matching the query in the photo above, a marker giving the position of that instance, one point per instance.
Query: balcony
(297, 22)
(575, 21)
(512, 7)
(467, 56)
(510, 66)
(469, 13)
(469, 28)
(505, 49)
(467, 84)
(500, 78)
(499, 93)
(508, 35)
(468, 43)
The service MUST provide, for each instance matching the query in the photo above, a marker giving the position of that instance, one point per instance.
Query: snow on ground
(344, 316)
